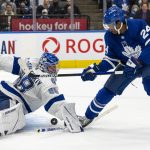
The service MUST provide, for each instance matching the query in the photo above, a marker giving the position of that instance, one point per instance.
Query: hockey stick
(49, 129)
(103, 114)
(97, 73)
(106, 112)
(72, 74)
(27, 71)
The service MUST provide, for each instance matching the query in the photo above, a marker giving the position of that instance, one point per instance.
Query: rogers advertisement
(49, 24)
(67, 46)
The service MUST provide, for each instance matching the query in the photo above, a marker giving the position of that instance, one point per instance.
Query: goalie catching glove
(132, 67)
(88, 73)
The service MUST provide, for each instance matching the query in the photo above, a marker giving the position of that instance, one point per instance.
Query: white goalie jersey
(31, 92)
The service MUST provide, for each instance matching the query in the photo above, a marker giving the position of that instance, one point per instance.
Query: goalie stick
(103, 114)
(28, 72)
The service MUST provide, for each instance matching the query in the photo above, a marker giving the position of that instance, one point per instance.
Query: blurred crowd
(43, 7)
(24, 9)
(52, 8)
(138, 9)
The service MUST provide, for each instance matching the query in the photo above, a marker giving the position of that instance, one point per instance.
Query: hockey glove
(132, 67)
(88, 73)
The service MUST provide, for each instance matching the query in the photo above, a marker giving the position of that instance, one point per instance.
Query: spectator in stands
(55, 7)
(143, 13)
(46, 5)
(8, 12)
(3, 6)
(24, 11)
(76, 9)
(123, 4)
(1, 2)
(26, 2)
(8, 9)
(144, 1)
(44, 14)
(68, 10)
(133, 3)
(134, 9)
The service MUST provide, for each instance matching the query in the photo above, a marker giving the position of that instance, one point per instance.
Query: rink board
(74, 49)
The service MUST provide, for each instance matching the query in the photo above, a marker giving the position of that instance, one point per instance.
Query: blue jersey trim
(53, 100)
(16, 67)
(13, 91)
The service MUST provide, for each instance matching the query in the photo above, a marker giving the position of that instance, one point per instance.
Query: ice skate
(84, 121)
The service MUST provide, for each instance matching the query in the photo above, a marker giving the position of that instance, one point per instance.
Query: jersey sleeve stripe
(112, 59)
(147, 42)
(111, 63)
(16, 67)
(53, 100)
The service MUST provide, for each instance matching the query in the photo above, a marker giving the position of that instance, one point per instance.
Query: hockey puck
(54, 121)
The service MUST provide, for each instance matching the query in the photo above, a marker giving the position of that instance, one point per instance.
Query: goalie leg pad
(70, 118)
(11, 119)
(4, 101)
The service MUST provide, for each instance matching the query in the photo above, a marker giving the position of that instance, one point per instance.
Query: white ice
(126, 128)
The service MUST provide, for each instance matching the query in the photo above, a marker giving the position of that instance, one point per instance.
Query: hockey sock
(102, 98)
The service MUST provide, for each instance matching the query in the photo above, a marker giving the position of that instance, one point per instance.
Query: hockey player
(127, 49)
(28, 93)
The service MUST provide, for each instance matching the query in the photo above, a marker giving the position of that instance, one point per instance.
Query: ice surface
(126, 128)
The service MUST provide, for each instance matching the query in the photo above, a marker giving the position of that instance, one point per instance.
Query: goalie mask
(111, 17)
(48, 63)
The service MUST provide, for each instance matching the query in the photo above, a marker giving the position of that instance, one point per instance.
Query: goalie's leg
(71, 120)
(11, 115)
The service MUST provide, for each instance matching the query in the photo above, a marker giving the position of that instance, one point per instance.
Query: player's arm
(51, 98)
(135, 63)
(9, 64)
(106, 64)
(109, 62)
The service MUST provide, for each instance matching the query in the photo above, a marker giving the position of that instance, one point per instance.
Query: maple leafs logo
(131, 52)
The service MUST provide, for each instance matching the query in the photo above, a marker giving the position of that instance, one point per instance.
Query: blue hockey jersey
(135, 41)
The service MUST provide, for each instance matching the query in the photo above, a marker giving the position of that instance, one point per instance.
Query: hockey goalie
(28, 92)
